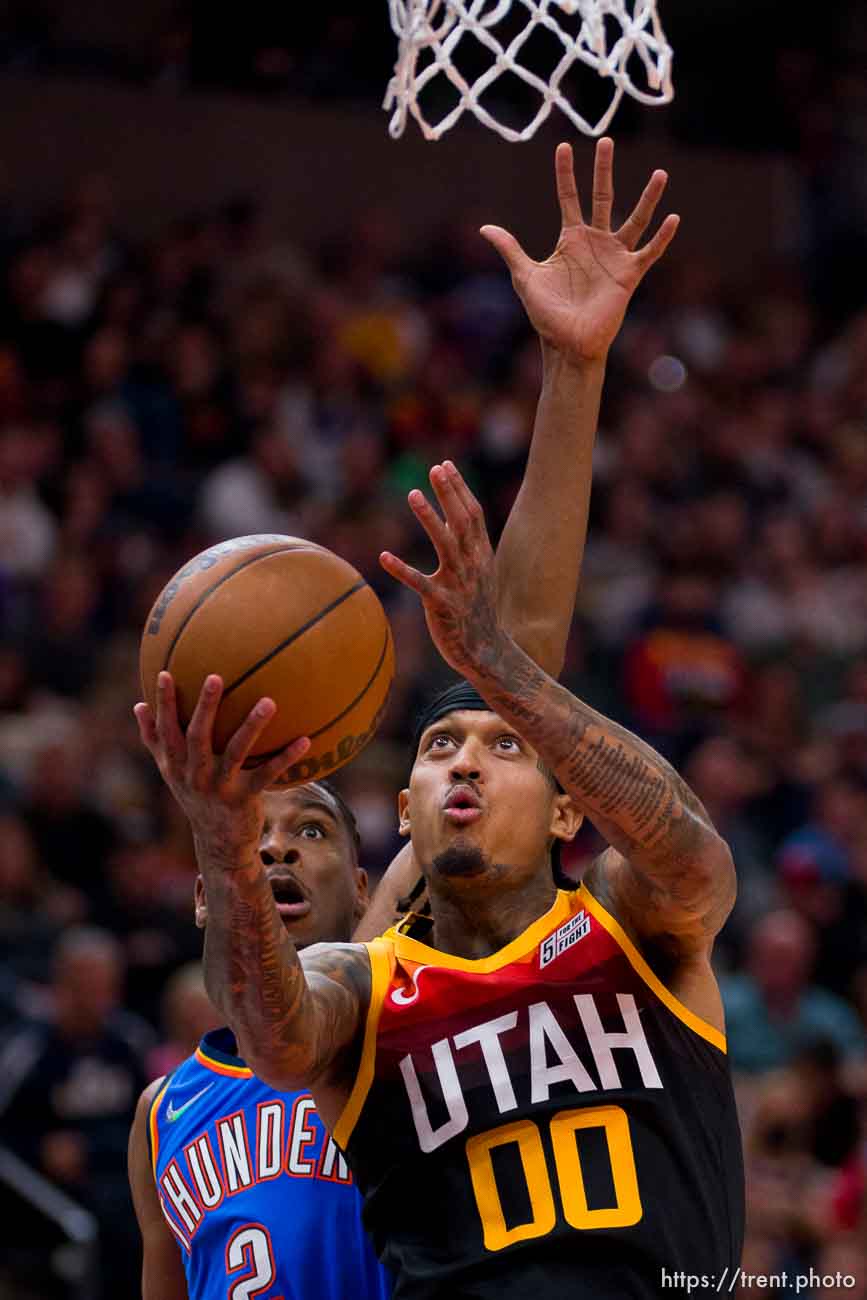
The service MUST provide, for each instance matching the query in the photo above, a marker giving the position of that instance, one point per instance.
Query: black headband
(460, 695)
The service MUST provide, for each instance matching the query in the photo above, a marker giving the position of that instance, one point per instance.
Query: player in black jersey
(533, 1090)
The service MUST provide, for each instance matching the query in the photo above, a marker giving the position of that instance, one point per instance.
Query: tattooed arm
(297, 1023)
(672, 876)
(296, 1017)
(575, 300)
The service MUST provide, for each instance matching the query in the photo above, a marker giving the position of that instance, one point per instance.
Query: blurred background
(229, 303)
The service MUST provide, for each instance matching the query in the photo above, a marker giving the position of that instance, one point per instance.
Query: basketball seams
(209, 591)
(361, 694)
(257, 759)
(284, 644)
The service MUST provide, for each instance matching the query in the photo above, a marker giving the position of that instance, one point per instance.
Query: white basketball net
(429, 32)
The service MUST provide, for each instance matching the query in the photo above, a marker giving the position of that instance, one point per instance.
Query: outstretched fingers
(510, 251)
(169, 737)
(200, 732)
(654, 248)
(452, 504)
(474, 512)
(276, 767)
(443, 538)
(147, 727)
(603, 183)
(567, 190)
(238, 749)
(642, 214)
(406, 574)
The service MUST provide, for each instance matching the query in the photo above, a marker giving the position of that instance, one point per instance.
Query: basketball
(279, 617)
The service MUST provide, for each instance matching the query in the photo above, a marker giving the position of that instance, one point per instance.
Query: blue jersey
(258, 1196)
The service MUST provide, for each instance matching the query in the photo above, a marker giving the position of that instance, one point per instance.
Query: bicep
(325, 1021)
(163, 1275)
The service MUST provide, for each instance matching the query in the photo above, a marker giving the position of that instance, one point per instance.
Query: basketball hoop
(616, 38)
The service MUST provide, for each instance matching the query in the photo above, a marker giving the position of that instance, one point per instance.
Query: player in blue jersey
(238, 1190)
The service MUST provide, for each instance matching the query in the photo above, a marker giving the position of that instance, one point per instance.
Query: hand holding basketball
(577, 298)
(219, 795)
(460, 598)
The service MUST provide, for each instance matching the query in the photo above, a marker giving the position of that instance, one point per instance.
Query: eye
(312, 831)
(439, 740)
(510, 744)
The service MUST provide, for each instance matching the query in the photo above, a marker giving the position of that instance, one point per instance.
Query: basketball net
(614, 35)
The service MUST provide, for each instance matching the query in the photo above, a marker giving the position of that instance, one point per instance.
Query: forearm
(632, 795)
(252, 970)
(542, 545)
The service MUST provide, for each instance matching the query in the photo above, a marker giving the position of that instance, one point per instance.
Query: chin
(461, 860)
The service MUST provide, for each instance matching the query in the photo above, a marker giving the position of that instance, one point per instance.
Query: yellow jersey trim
(221, 1067)
(526, 942)
(640, 966)
(381, 967)
(152, 1126)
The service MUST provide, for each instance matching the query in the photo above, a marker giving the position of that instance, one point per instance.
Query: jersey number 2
(543, 1213)
(250, 1249)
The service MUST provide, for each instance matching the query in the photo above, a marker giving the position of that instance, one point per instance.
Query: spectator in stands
(68, 1089)
(682, 675)
(772, 1009)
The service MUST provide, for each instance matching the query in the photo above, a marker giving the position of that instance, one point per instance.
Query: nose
(465, 765)
(274, 847)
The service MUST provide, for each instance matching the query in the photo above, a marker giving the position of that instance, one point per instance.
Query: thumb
(508, 247)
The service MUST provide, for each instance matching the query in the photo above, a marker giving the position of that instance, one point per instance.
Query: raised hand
(221, 798)
(577, 298)
(460, 598)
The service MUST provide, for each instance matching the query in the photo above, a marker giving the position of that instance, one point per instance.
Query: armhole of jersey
(153, 1133)
(381, 966)
(640, 966)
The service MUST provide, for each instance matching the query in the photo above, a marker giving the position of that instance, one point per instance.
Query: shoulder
(147, 1097)
(346, 964)
(140, 1153)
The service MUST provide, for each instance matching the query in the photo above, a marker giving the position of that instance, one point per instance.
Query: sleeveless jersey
(549, 1120)
(258, 1196)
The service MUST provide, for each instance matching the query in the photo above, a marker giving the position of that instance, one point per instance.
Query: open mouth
(462, 806)
(289, 897)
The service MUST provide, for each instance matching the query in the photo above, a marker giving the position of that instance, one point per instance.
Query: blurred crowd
(157, 398)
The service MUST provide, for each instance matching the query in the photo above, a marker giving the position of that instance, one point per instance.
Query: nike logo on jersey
(173, 1113)
(404, 998)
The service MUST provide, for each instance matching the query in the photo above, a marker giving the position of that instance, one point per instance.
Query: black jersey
(546, 1120)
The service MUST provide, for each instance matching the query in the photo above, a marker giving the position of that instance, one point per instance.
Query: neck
(474, 922)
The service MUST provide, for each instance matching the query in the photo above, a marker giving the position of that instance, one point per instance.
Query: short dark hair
(347, 816)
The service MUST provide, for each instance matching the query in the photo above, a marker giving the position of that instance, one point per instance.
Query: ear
(201, 904)
(403, 813)
(362, 894)
(566, 818)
